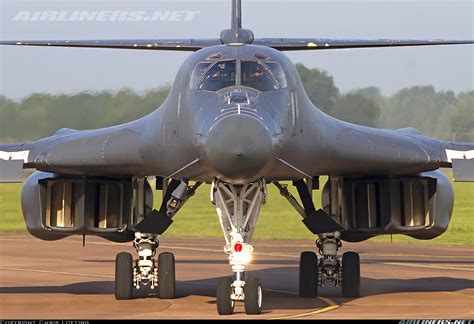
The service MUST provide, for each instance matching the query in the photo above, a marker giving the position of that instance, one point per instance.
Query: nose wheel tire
(253, 296)
(225, 305)
(166, 276)
(308, 280)
(350, 275)
(123, 276)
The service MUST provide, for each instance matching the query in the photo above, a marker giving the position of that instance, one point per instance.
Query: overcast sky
(25, 70)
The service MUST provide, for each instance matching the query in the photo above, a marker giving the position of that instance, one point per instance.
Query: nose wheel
(225, 304)
(252, 296)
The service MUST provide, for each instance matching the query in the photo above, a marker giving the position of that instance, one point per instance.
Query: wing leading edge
(138, 44)
(114, 150)
(298, 44)
(281, 44)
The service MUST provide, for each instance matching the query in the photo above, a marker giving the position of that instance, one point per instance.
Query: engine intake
(419, 206)
(55, 206)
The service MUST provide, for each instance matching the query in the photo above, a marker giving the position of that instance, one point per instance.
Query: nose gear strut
(238, 207)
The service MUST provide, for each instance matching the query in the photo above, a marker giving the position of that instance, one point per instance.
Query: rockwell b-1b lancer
(237, 117)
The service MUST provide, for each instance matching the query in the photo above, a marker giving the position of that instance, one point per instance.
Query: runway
(63, 280)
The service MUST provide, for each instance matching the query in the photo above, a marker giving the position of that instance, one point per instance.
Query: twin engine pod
(55, 207)
(418, 206)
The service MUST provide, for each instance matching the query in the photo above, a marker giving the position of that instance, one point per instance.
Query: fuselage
(237, 113)
(239, 131)
(235, 126)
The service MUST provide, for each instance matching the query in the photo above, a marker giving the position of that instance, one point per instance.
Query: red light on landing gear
(238, 247)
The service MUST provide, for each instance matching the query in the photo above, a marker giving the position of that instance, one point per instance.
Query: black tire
(166, 276)
(253, 296)
(350, 275)
(308, 280)
(123, 276)
(225, 306)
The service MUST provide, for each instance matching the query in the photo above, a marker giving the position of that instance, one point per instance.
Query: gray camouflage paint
(178, 133)
(198, 135)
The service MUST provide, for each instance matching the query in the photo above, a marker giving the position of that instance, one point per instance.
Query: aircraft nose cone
(238, 147)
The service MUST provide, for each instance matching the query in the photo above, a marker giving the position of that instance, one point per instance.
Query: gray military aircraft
(237, 117)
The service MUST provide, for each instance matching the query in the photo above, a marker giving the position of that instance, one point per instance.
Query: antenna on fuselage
(236, 35)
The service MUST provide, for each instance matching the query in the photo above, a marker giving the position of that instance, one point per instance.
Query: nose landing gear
(238, 207)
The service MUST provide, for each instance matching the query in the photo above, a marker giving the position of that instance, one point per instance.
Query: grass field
(277, 219)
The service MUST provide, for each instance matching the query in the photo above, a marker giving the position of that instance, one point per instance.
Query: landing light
(238, 247)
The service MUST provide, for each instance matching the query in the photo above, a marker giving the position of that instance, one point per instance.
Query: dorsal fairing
(236, 34)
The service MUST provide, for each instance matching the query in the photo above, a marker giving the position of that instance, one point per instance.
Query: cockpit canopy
(220, 75)
(213, 76)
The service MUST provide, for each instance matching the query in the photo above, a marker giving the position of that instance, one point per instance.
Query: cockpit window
(260, 75)
(256, 75)
(214, 56)
(278, 73)
(219, 76)
(197, 74)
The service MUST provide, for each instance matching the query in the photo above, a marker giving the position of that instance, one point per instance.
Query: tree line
(440, 114)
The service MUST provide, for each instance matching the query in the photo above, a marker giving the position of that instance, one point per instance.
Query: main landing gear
(343, 271)
(238, 207)
(160, 275)
(315, 272)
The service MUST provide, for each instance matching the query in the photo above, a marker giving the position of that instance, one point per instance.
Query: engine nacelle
(418, 206)
(56, 206)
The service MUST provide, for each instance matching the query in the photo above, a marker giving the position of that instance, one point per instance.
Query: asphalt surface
(63, 280)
